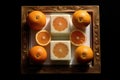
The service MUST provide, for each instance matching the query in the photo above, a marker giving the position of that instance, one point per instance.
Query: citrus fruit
(36, 20)
(43, 37)
(60, 50)
(38, 54)
(60, 23)
(77, 37)
(81, 19)
(84, 54)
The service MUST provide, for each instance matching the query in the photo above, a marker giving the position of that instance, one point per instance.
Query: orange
(36, 20)
(77, 37)
(60, 50)
(38, 54)
(43, 37)
(60, 23)
(81, 19)
(84, 54)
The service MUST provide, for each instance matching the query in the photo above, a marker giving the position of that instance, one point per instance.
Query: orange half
(60, 23)
(43, 37)
(60, 50)
(77, 37)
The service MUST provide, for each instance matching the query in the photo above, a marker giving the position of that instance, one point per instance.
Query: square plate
(28, 40)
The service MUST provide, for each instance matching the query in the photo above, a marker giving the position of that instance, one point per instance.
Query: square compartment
(60, 24)
(60, 50)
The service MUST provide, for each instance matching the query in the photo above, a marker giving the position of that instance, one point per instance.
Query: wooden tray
(92, 32)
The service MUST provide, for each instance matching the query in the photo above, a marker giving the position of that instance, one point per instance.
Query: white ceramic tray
(87, 32)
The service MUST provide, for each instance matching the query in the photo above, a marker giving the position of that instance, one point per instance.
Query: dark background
(108, 26)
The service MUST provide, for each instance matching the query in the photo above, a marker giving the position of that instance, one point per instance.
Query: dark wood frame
(26, 68)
